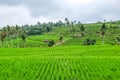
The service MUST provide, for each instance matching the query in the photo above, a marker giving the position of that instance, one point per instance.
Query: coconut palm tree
(72, 24)
(60, 23)
(2, 37)
(50, 24)
(103, 31)
(82, 28)
(67, 22)
(17, 34)
(61, 39)
(23, 36)
(5, 33)
(39, 24)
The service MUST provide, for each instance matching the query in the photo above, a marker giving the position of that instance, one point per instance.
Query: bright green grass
(61, 63)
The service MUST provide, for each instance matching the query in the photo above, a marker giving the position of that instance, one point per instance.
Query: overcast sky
(31, 11)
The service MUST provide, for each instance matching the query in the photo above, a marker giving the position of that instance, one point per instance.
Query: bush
(51, 43)
(89, 42)
(61, 39)
(118, 39)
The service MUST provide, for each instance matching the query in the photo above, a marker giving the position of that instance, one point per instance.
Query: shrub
(51, 43)
(61, 39)
(118, 39)
(89, 42)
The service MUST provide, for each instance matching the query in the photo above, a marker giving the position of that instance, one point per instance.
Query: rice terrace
(37, 42)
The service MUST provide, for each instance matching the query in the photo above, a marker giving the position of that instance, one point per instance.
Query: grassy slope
(61, 63)
(33, 41)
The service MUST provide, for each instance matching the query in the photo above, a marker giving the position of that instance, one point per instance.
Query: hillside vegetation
(71, 33)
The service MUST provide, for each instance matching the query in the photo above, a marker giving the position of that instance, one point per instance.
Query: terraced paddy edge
(61, 63)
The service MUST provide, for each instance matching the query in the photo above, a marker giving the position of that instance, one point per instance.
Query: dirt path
(58, 43)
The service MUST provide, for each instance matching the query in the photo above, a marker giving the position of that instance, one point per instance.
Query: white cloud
(79, 2)
(51, 10)
(12, 15)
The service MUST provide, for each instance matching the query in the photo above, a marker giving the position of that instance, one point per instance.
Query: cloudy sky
(31, 11)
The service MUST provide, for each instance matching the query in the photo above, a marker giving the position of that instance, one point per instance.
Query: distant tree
(5, 30)
(104, 20)
(75, 21)
(72, 24)
(89, 41)
(82, 28)
(60, 23)
(48, 29)
(23, 36)
(10, 32)
(17, 33)
(103, 31)
(118, 39)
(67, 22)
(50, 26)
(79, 22)
(39, 24)
(44, 27)
(2, 37)
(110, 25)
(61, 39)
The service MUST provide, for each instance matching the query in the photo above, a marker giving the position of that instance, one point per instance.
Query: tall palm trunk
(17, 36)
(7, 42)
(11, 42)
(103, 42)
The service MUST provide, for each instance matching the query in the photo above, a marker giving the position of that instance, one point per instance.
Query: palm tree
(72, 24)
(5, 33)
(39, 24)
(67, 22)
(51, 26)
(72, 28)
(2, 37)
(82, 28)
(10, 33)
(61, 39)
(103, 31)
(18, 32)
(23, 36)
(59, 23)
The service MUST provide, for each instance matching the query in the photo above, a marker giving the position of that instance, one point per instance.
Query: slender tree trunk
(103, 40)
(18, 42)
(7, 43)
(2, 44)
(11, 42)
(24, 44)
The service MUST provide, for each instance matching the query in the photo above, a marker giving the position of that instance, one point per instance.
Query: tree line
(7, 33)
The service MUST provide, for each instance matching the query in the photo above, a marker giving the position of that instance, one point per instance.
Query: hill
(39, 35)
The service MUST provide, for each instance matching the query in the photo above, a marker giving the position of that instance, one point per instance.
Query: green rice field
(60, 63)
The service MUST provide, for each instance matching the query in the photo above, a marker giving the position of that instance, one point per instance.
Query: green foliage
(61, 39)
(89, 42)
(34, 31)
(51, 43)
(108, 31)
(82, 28)
(103, 29)
(118, 39)
(23, 36)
